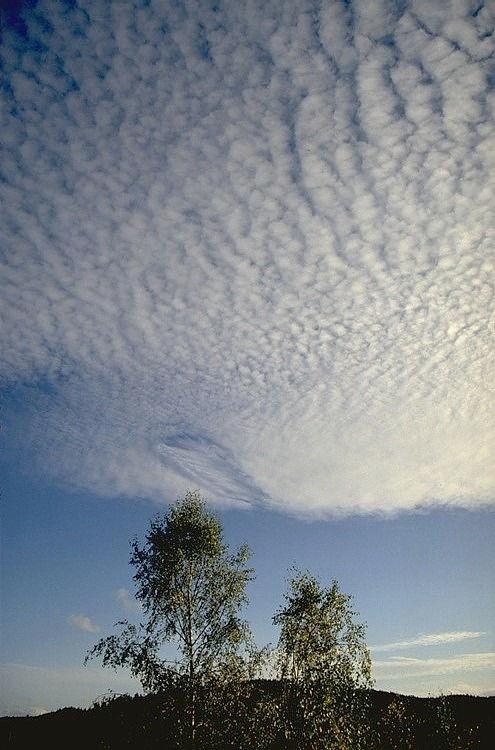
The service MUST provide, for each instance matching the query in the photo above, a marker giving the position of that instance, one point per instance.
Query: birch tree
(324, 667)
(191, 589)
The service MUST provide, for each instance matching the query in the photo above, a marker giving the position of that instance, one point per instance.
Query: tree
(191, 590)
(324, 666)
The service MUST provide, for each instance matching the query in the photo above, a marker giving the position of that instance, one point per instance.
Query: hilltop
(139, 722)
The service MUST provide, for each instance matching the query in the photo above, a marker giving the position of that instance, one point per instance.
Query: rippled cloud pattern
(249, 248)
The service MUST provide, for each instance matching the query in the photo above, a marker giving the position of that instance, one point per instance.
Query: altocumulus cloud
(247, 249)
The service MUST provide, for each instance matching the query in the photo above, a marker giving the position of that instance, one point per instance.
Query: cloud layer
(464, 673)
(401, 667)
(249, 250)
(35, 690)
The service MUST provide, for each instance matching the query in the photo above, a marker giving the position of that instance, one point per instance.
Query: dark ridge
(143, 722)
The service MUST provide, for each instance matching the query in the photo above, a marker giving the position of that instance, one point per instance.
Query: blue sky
(248, 248)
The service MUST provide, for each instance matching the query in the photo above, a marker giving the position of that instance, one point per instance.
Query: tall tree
(191, 589)
(324, 666)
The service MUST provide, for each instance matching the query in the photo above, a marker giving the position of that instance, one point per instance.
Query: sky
(247, 248)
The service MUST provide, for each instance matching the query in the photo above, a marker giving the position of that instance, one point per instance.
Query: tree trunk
(192, 675)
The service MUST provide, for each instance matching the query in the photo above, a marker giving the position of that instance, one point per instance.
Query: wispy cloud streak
(433, 639)
(248, 248)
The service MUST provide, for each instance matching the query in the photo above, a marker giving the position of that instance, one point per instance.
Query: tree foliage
(192, 589)
(324, 665)
(208, 695)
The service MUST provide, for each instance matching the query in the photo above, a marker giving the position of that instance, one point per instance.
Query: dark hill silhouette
(454, 722)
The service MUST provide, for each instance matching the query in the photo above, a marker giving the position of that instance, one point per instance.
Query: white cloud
(127, 602)
(432, 639)
(82, 622)
(248, 250)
